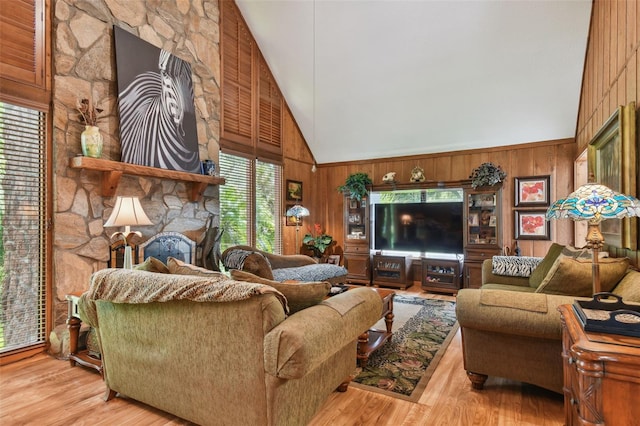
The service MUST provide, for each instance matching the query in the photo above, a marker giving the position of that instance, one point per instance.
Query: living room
(81, 34)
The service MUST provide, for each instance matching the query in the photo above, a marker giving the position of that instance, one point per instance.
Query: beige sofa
(220, 352)
(511, 327)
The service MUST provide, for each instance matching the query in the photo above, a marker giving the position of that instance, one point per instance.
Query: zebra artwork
(155, 101)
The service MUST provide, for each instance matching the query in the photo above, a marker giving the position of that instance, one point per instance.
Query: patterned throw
(132, 286)
(514, 266)
(316, 272)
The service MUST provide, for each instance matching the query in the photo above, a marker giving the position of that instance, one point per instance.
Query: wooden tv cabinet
(391, 271)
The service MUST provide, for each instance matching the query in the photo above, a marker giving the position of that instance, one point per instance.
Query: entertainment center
(409, 234)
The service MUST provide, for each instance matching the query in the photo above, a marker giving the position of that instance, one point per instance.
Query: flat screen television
(434, 227)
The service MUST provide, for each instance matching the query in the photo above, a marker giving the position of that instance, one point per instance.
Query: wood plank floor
(45, 391)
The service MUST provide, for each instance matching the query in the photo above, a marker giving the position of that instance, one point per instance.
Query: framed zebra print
(155, 104)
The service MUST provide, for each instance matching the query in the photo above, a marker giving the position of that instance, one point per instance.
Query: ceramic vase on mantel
(91, 140)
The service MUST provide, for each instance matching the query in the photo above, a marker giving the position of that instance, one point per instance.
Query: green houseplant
(487, 174)
(317, 240)
(356, 185)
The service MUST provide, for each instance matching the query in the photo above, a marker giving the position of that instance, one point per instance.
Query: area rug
(402, 367)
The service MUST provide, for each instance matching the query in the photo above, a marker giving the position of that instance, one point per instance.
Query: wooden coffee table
(372, 339)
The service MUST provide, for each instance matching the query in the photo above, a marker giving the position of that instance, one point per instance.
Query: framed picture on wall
(532, 225)
(294, 190)
(532, 191)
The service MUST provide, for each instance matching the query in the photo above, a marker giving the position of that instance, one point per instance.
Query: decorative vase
(91, 140)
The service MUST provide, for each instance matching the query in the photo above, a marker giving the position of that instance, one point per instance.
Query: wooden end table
(372, 339)
(73, 324)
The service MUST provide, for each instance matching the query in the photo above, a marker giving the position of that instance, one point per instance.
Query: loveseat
(216, 351)
(277, 267)
(511, 326)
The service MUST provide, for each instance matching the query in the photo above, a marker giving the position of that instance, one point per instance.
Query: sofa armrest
(303, 341)
(509, 312)
(489, 278)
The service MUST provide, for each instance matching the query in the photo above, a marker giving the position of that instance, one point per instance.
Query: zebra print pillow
(514, 266)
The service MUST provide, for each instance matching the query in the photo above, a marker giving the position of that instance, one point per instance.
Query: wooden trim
(23, 353)
(416, 158)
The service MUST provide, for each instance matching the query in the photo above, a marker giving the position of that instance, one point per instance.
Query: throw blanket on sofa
(514, 266)
(131, 286)
(315, 272)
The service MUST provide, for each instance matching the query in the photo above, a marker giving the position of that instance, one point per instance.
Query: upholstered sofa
(511, 326)
(216, 351)
(281, 267)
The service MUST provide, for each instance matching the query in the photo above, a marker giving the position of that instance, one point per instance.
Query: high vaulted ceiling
(384, 78)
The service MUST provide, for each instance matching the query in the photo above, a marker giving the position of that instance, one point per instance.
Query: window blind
(22, 227)
(250, 203)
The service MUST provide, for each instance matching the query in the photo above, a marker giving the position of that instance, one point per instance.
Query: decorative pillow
(573, 277)
(542, 269)
(582, 253)
(299, 296)
(514, 266)
(181, 268)
(152, 265)
(249, 261)
(258, 265)
(629, 287)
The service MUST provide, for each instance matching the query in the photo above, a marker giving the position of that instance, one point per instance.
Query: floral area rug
(403, 366)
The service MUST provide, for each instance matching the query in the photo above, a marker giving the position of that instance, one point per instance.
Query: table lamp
(127, 212)
(594, 203)
(297, 211)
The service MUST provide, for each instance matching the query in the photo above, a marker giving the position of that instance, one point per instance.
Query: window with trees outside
(22, 227)
(251, 203)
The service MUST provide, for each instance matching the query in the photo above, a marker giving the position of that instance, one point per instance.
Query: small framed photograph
(291, 220)
(294, 190)
(353, 203)
(492, 220)
(532, 225)
(334, 259)
(532, 191)
(473, 219)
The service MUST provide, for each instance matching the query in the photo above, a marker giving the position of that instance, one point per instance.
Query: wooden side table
(82, 357)
(372, 339)
(601, 375)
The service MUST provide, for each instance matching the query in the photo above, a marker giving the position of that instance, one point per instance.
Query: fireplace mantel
(113, 170)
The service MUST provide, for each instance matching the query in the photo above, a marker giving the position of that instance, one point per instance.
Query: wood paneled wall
(554, 158)
(612, 66)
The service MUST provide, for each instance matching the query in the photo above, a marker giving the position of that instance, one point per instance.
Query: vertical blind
(250, 203)
(22, 227)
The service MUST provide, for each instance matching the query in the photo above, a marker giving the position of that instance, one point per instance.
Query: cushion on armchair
(315, 272)
(299, 295)
(543, 268)
(573, 277)
(151, 264)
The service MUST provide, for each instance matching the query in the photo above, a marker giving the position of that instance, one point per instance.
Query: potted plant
(317, 241)
(90, 138)
(356, 184)
(487, 174)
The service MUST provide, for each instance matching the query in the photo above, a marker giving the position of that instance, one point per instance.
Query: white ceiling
(384, 78)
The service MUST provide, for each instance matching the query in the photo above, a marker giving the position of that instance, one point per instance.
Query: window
(22, 227)
(250, 203)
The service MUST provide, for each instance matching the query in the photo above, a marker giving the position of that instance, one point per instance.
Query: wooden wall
(612, 67)
(554, 158)
(297, 164)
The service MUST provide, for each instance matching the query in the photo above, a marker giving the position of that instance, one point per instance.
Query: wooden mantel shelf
(113, 170)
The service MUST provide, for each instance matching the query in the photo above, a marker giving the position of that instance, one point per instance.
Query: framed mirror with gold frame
(612, 161)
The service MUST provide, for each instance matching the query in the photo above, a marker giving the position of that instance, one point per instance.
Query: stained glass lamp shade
(127, 212)
(297, 211)
(594, 203)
